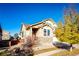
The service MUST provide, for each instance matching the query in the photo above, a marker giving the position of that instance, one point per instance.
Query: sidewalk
(50, 52)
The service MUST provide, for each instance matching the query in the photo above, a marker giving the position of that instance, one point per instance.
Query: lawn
(3, 53)
(74, 52)
(44, 50)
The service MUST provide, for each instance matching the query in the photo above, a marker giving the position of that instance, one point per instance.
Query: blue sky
(12, 15)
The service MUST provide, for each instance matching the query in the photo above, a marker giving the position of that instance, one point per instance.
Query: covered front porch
(34, 31)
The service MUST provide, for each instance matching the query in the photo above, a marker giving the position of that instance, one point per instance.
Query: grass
(67, 53)
(4, 53)
(44, 50)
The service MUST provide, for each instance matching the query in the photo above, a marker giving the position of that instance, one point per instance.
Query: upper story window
(49, 24)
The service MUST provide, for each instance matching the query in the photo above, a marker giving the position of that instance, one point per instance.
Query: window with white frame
(46, 32)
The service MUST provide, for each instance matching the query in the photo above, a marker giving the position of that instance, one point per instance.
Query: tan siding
(26, 33)
(40, 32)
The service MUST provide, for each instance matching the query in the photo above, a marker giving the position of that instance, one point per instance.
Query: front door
(34, 31)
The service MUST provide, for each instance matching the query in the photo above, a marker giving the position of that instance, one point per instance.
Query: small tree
(69, 32)
(28, 45)
(59, 30)
(29, 41)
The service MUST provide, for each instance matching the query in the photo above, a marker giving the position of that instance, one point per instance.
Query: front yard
(74, 52)
(63, 52)
(44, 50)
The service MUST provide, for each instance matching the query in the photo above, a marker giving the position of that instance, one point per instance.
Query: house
(5, 35)
(43, 32)
(4, 38)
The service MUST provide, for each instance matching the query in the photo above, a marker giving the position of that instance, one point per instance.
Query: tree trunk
(71, 48)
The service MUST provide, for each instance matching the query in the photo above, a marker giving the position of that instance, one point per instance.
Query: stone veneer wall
(43, 42)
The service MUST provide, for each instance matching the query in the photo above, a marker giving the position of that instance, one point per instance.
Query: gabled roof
(26, 25)
(49, 19)
(42, 22)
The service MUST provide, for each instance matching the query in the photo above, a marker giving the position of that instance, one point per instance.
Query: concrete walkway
(76, 46)
(49, 53)
(77, 55)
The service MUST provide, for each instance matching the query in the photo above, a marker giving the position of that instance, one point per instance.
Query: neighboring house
(4, 38)
(43, 32)
(5, 35)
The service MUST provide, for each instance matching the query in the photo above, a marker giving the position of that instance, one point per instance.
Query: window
(44, 32)
(48, 32)
(48, 24)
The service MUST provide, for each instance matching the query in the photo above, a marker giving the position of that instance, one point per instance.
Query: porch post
(9, 44)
